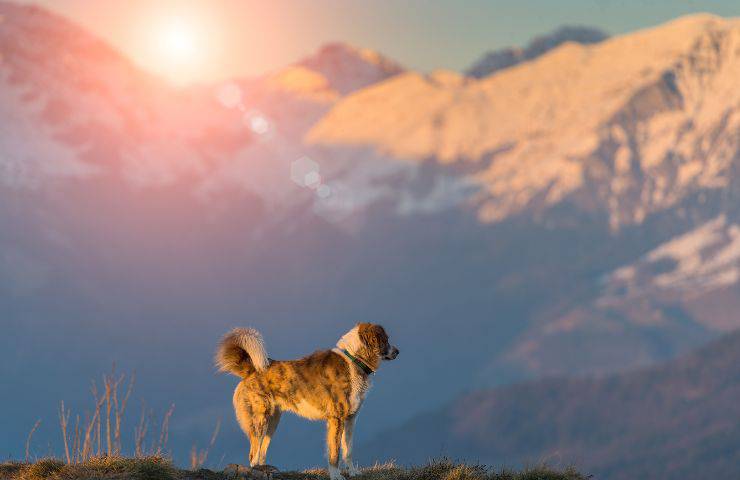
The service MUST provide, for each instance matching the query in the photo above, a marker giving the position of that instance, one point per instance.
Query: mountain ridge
(350, 68)
(570, 115)
(496, 60)
(667, 421)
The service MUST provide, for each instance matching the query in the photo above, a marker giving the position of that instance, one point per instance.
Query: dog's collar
(362, 365)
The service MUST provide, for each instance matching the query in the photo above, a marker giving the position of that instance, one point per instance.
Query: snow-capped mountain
(631, 126)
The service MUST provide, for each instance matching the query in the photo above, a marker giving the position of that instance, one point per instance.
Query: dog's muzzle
(391, 354)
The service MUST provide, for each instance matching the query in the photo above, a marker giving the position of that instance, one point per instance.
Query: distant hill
(496, 60)
(678, 420)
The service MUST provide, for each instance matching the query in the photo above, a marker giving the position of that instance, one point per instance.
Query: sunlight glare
(178, 41)
(180, 48)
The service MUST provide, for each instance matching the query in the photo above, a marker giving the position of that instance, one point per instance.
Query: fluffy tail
(242, 352)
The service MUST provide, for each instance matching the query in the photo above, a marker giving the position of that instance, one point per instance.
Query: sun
(179, 49)
(178, 42)
(181, 41)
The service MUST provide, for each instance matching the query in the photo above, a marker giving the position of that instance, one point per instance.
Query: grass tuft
(10, 469)
(45, 468)
(441, 470)
(98, 468)
(159, 468)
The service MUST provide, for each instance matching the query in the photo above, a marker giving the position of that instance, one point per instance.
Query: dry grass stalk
(108, 405)
(98, 436)
(76, 440)
(140, 433)
(88, 448)
(88, 436)
(64, 421)
(199, 458)
(119, 411)
(28, 439)
(98, 433)
(164, 432)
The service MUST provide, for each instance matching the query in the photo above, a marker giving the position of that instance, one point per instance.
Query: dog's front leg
(349, 427)
(334, 427)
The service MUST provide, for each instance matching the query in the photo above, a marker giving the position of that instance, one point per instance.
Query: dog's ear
(373, 336)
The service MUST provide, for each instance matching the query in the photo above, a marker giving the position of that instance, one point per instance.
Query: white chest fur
(360, 384)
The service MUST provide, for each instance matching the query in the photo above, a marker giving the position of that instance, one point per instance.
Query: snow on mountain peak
(627, 126)
(704, 259)
(624, 123)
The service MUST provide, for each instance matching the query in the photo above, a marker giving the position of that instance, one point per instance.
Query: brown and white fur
(326, 385)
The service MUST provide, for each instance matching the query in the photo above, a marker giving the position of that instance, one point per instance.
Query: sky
(209, 40)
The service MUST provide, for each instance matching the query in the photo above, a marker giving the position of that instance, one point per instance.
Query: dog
(328, 385)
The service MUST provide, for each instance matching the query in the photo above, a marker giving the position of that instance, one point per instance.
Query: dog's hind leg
(349, 427)
(257, 437)
(272, 424)
(334, 427)
(262, 411)
(245, 415)
(254, 449)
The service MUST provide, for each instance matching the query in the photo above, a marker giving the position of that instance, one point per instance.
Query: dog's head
(369, 343)
(375, 340)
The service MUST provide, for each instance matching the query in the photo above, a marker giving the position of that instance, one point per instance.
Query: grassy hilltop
(158, 468)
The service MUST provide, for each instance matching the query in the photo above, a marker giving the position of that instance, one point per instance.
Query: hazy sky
(240, 37)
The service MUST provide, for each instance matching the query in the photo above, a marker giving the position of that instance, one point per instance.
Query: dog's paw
(334, 474)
